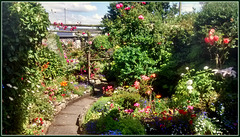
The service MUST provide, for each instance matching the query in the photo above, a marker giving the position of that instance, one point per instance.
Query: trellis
(92, 30)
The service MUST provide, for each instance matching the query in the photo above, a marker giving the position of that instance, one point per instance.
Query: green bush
(126, 99)
(101, 41)
(24, 26)
(130, 63)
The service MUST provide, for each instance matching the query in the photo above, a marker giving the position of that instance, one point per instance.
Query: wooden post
(89, 70)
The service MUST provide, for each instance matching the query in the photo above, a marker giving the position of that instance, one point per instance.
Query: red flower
(207, 40)
(21, 78)
(164, 118)
(71, 60)
(148, 107)
(215, 38)
(41, 122)
(101, 46)
(193, 115)
(108, 34)
(170, 118)
(159, 43)
(190, 122)
(143, 3)
(40, 119)
(127, 8)
(63, 95)
(132, 7)
(83, 33)
(226, 40)
(42, 130)
(36, 118)
(55, 23)
(181, 111)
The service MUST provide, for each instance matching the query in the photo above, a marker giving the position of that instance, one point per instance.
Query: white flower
(28, 81)
(8, 116)
(187, 68)
(115, 91)
(15, 87)
(9, 85)
(33, 91)
(182, 74)
(206, 67)
(38, 86)
(108, 102)
(85, 92)
(189, 82)
(189, 87)
(11, 98)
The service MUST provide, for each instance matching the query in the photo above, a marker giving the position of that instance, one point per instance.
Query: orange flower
(158, 96)
(47, 63)
(63, 83)
(153, 75)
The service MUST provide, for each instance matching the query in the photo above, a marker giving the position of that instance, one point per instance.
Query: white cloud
(58, 7)
(188, 6)
(98, 17)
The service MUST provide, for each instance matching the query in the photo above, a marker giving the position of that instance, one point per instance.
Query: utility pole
(65, 15)
(180, 6)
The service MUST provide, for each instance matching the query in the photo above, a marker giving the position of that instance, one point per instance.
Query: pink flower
(126, 110)
(118, 6)
(207, 40)
(145, 77)
(83, 33)
(103, 88)
(71, 60)
(132, 7)
(140, 17)
(226, 40)
(127, 8)
(67, 60)
(55, 23)
(121, 5)
(111, 105)
(136, 84)
(215, 38)
(90, 42)
(143, 3)
(136, 104)
(190, 107)
(141, 111)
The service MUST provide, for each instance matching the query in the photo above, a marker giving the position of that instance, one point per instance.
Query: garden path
(66, 122)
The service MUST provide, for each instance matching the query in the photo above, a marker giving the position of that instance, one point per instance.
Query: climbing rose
(140, 17)
(215, 38)
(226, 40)
(118, 6)
(127, 8)
(121, 5)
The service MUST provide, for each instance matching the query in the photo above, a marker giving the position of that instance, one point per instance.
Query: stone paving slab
(63, 130)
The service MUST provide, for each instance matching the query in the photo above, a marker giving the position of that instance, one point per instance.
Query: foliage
(196, 89)
(24, 26)
(101, 41)
(221, 16)
(129, 63)
(126, 100)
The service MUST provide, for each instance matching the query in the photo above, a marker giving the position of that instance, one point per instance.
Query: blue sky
(89, 12)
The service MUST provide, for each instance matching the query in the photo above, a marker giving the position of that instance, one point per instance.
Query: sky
(90, 12)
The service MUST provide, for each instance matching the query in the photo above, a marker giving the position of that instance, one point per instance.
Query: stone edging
(61, 106)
